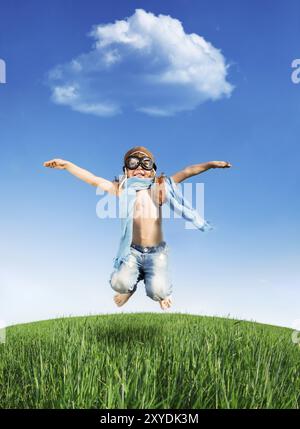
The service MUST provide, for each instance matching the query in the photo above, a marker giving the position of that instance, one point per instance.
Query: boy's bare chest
(146, 203)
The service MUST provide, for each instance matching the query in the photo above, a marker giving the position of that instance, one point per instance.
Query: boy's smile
(139, 173)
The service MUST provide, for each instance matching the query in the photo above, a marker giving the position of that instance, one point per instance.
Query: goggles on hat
(132, 162)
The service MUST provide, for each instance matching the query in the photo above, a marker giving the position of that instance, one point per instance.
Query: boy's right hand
(60, 164)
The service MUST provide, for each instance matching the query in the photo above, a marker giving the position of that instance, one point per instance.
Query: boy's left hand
(220, 164)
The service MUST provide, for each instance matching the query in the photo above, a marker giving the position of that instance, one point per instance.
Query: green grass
(149, 360)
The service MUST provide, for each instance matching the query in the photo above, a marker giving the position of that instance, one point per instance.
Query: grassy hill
(149, 360)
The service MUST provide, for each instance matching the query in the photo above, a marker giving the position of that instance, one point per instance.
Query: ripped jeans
(145, 263)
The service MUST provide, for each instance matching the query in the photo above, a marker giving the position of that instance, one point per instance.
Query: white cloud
(146, 63)
(65, 94)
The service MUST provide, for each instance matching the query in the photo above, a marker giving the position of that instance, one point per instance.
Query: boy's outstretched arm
(192, 170)
(83, 174)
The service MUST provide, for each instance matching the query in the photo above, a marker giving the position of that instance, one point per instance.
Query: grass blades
(149, 360)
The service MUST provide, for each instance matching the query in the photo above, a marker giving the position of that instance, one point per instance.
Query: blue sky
(56, 254)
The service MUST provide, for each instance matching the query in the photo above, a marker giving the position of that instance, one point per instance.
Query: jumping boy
(143, 253)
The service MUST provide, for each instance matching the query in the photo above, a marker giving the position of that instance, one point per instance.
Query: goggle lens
(132, 163)
(147, 163)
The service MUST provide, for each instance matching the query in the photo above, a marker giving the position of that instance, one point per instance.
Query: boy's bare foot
(121, 298)
(165, 303)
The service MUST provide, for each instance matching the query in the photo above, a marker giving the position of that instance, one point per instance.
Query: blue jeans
(145, 263)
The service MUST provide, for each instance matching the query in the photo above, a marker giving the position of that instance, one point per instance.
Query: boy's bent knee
(121, 284)
(157, 294)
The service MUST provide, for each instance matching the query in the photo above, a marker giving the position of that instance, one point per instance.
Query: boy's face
(140, 171)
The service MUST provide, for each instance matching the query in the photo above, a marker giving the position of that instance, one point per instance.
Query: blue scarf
(173, 197)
